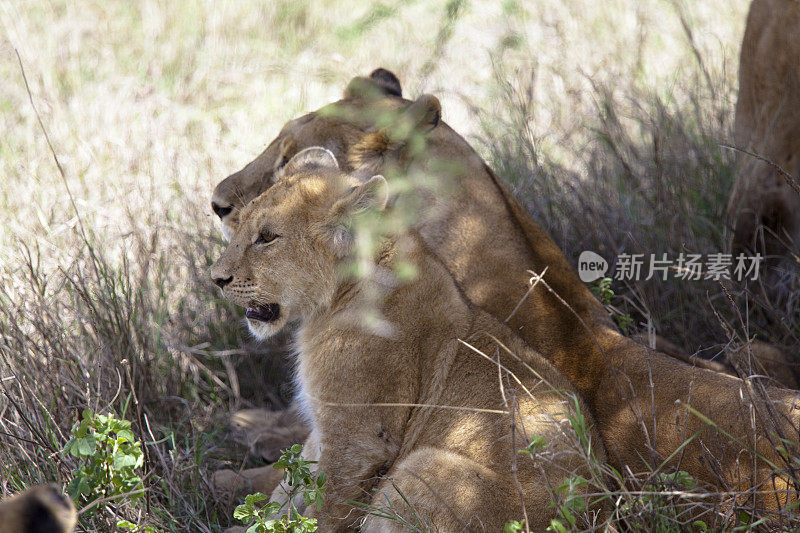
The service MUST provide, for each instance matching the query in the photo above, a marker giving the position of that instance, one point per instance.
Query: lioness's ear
(420, 116)
(373, 194)
(387, 81)
(284, 149)
(315, 157)
(380, 83)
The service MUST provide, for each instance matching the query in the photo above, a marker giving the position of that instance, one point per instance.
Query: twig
(514, 452)
(539, 277)
(110, 499)
(50, 145)
(790, 180)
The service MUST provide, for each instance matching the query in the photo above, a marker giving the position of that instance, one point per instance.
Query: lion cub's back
(488, 379)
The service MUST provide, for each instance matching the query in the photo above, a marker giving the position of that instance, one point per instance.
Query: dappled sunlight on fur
(489, 243)
(437, 392)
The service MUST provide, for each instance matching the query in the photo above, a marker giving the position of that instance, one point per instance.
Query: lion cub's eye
(266, 237)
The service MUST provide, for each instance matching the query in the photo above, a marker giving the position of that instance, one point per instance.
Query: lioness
(752, 359)
(764, 206)
(42, 509)
(489, 243)
(430, 412)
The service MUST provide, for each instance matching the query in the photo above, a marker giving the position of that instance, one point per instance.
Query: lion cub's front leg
(353, 462)
(311, 452)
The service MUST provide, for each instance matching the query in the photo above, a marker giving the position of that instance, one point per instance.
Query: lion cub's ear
(373, 194)
(315, 157)
(419, 117)
(425, 113)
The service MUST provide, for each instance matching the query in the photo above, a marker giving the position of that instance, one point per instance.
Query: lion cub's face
(283, 258)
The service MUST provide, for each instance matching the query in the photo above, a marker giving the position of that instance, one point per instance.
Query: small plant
(657, 507)
(111, 457)
(126, 524)
(537, 444)
(602, 289)
(625, 322)
(298, 476)
(572, 505)
(514, 526)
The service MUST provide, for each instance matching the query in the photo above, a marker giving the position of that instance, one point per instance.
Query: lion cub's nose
(221, 212)
(221, 282)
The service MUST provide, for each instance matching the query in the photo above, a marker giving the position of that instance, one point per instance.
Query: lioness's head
(363, 130)
(282, 261)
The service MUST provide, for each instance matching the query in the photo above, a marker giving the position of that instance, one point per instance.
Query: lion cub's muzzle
(264, 313)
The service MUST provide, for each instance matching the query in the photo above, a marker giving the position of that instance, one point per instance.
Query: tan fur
(235, 485)
(489, 243)
(660, 344)
(42, 509)
(763, 207)
(373, 397)
(266, 433)
(762, 359)
(752, 359)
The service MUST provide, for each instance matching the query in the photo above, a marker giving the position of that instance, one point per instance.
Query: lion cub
(423, 417)
(42, 509)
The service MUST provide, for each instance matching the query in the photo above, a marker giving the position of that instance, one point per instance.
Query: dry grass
(608, 120)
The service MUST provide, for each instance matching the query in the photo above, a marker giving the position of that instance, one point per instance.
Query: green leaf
(537, 443)
(252, 499)
(243, 513)
(84, 446)
(123, 460)
(126, 435)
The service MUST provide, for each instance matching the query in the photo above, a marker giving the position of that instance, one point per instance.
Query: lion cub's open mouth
(264, 313)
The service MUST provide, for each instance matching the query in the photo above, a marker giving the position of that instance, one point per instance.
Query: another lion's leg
(267, 433)
(236, 484)
(265, 479)
(445, 491)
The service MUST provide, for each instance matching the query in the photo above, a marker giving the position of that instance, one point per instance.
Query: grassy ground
(608, 120)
